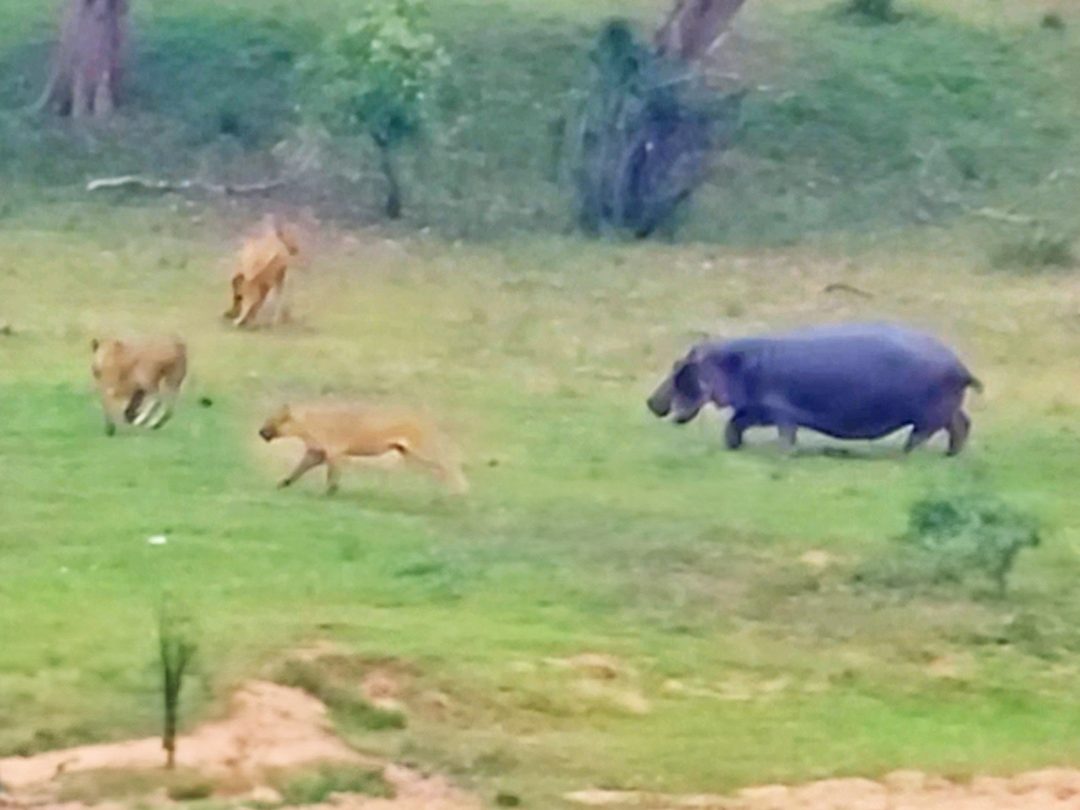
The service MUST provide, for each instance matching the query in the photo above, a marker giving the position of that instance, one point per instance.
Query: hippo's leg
(788, 433)
(959, 428)
(733, 434)
(740, 421)
(920, 435)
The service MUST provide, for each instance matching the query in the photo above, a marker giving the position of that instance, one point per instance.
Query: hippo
(848, 381)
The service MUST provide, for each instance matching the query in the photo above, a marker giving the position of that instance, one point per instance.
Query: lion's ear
(94, 344)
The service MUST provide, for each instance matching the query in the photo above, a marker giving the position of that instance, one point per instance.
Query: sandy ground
(268, 728)
(271, 727)
(906, 790)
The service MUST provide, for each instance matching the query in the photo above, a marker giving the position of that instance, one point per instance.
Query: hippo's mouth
(684, 416)
(658, 409)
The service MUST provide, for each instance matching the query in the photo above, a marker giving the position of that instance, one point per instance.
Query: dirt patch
(269, 729)
(1055, 789)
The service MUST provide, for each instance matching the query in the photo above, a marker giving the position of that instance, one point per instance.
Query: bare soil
(1056, 789)
(269, 729)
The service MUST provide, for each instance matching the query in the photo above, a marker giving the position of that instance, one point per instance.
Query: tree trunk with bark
(86, 70)
(694, 28)
(393, 182)
(650, 121)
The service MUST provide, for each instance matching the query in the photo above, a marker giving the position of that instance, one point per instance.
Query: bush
(878, 11)
(376, 77)
(1053, 21)
(639, 144)
(959, 537)
(176, 649)
(950, 540)
(1035, 251)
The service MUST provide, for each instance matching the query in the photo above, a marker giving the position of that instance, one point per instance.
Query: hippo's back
(861, 380)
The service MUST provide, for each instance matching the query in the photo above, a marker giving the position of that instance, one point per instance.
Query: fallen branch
(840, 286)
(1004, 216)
(150, 184)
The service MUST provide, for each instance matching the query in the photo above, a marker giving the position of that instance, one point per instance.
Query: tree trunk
(86, 69)
(694, 27)
(389, 170)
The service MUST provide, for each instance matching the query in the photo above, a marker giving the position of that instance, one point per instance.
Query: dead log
(151, 184)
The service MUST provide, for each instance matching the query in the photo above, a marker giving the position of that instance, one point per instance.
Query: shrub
(949, 540)
(376, 77)
(176, 648)
(1052, 21)
(878, 11)
(1035, 251)
(969, 535)
(639, 143)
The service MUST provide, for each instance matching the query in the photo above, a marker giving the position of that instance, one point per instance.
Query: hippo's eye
(686, 381)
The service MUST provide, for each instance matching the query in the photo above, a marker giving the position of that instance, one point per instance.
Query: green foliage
(315, 787)
(176, 647)
(639, 144)
(1052, 21)
(849, 128)
(377, 75)
(877, 11)
(1036, 250)
(969, 535)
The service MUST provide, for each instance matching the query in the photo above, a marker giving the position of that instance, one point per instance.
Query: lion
(127, 372)
(332, 432)
(264, 260)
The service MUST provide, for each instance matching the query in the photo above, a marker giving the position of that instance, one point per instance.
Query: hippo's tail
(974, 383)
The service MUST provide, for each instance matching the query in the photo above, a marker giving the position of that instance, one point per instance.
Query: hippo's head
(685, 391)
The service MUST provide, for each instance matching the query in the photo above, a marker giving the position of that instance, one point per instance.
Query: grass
(591, 527)
(317, 786)
(338, 690)
(94, 787)
(1035, 252)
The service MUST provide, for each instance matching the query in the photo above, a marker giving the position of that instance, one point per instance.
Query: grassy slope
(597, 530)
(847, 126)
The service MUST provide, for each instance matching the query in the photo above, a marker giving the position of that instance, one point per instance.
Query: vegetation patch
(317, 786)
(1036, 251)
(116, 784)
(949, 540)
(336, 681)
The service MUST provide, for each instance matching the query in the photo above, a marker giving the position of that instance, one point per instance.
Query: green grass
(317, 786)
(93, 787)
(591, 526)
